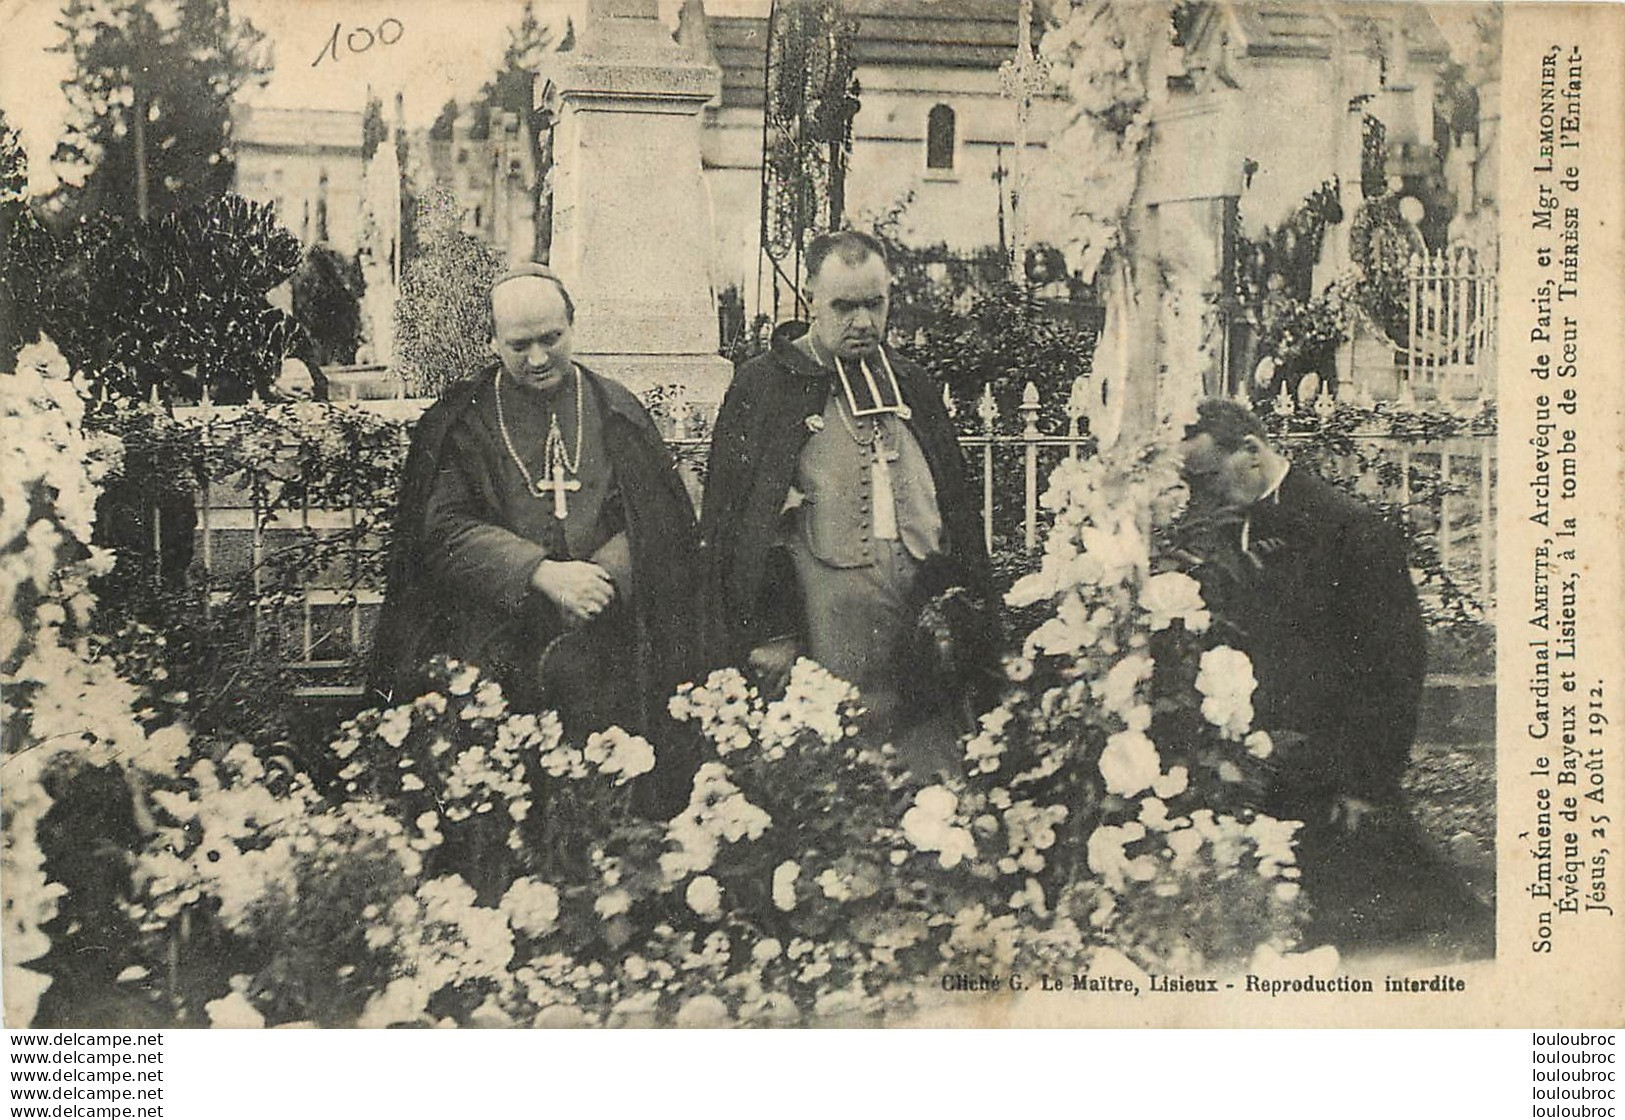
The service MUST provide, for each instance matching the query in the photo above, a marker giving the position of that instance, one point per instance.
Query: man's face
(849, 305)
(1225, 478)
(532, 331)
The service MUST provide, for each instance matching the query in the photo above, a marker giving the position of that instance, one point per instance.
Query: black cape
(420, 618)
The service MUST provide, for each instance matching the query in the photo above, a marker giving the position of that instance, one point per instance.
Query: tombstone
(631, 218)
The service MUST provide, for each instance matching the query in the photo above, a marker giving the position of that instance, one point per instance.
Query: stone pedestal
(631, 217)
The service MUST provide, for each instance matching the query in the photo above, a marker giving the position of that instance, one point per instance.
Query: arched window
(939, 139)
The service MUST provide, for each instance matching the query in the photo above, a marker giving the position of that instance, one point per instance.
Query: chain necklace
(553, 454)
(876, 441)
(850, 424)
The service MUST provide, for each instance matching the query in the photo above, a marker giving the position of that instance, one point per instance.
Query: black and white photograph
(799, 513)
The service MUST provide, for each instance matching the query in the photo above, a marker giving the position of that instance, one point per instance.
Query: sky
(444, 50)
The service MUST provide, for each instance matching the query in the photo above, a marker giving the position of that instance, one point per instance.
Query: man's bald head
(531, 317)
(524, 281)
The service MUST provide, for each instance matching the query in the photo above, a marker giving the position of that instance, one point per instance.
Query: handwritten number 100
(360, 39)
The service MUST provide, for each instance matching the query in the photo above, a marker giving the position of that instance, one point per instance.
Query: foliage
(1005, 340)
(450, 861)
(63, 711)
(513, 88)
(1296, 330)
(1381, 245)
(445, 877)
(811, 101)
(443, 316)
(932, 284)
(174, 304)
(1352, 446)
(14, 331)
(1129, 732)
(1100, 56)
(274, 461)
(152, 91)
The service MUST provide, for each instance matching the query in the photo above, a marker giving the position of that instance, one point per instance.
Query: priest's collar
(868, 385)
(1273, 492)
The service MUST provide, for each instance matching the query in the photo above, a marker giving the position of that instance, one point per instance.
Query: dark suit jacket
(1331, 620)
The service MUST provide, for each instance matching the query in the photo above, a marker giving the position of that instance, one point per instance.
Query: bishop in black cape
(589, 675)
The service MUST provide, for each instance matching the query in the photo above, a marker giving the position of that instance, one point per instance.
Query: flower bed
(449, 861)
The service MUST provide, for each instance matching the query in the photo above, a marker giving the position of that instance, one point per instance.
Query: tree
(13, 212)
(513, 91)
(374, 129)
(152, 90)
(443, 316)
(327, 304)
(175, 303)
(513, 88)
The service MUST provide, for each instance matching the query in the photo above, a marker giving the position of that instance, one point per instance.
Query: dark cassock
(498, 479)
(1318, 589)
(837, 513)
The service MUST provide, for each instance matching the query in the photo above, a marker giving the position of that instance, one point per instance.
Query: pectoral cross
(885, 499)
(558, 484)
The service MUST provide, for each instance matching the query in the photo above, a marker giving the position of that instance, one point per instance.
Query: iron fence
(322, 627)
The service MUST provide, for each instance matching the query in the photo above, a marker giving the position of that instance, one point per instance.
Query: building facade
(932, 140)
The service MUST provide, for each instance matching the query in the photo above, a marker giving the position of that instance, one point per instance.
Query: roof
(739, 45)
(1312, 28)
(956, 34)
(975, 34)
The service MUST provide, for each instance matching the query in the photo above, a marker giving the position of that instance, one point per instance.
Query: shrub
(443, 314)
(174, 304)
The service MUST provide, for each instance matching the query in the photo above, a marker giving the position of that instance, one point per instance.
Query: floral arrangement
(1118, 778)
(62, 709)
(1100, 56)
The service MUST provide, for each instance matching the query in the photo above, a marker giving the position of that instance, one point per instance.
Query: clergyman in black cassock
(544, 535)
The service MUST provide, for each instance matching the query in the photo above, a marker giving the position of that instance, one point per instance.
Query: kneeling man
(1316, 588)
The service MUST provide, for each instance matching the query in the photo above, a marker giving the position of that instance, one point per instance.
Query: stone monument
(631, 216)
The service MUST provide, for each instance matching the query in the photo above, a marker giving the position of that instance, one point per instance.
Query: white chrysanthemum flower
(784, 885)
(1109, 860)
(1129, 763)
(620, 753)
(1225, 680)
(396, 725)
(1273, 844)
(531, 906)
(1118, 691)
(430, 704)
(1171, 597)
(703, 1011)
(403, 1000)
(704, 897)
(1171, 784)
(929, 826)
(836, 887)
(234, 1011)
(1259, 744)
(612, 903)
(463, 679)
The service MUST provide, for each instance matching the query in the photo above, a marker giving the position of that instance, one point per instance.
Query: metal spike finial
(987, 410)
